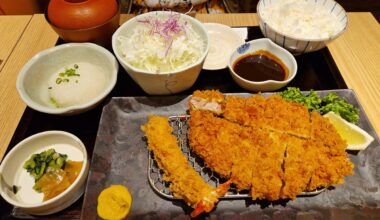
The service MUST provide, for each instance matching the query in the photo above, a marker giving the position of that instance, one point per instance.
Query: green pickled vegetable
(331, 102)
(38, 164)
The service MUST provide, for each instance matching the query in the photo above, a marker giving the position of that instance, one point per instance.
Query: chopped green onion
(58, 80)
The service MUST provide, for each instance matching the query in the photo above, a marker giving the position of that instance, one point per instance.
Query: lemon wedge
(357, 138)
(114, 202)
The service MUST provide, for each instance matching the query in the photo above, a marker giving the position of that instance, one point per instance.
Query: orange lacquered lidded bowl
(84, 20)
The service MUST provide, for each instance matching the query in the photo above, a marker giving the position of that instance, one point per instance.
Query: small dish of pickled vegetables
(49, 170)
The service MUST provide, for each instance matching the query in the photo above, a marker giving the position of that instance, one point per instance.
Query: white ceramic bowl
(13, 172)
(263, 44)
(166, 82)
(298, 45)
(33, 79)
(223, 40)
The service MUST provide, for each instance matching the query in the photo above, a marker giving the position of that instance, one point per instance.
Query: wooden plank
(37, 36)
(357, 55)
(248, 19)
(12, 28)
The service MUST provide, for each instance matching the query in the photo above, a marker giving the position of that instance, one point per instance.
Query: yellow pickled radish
(357, 138)
(114, 202)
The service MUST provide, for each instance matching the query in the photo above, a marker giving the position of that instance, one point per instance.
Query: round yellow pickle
(114, 202)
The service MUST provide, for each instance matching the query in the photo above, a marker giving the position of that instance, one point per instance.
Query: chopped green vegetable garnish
(39, 164)
(331, 102)
(15, 189)
(69, 72)
(58, 80)
(54, 102)
(312, 101)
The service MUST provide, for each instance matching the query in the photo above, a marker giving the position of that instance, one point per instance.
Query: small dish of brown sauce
(261, 66)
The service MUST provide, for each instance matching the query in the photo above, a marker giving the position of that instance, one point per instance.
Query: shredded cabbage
(160, 45)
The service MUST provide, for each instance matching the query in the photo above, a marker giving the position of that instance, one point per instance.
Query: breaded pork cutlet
(301, 149)
(185, 182)
(222, 145)
(273, 113)
(267, 178)
(210, 100)
(214, 140)
(250, 157)
(299, 165)
(245, 111)
(332, 159)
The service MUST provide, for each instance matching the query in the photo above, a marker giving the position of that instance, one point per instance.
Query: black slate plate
(120, 157)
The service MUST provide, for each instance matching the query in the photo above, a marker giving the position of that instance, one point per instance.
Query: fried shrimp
(185, 182)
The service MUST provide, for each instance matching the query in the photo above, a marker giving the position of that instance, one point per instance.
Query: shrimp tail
(208, 202)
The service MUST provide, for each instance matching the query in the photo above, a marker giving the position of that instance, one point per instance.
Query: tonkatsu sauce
(261, 66)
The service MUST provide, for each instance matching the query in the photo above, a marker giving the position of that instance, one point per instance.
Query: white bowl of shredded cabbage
(162, 51)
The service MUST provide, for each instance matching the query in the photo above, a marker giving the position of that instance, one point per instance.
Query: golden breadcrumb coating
(299, 165)
(267, 180)
(216, 146)
(185, 182)
(282, 147)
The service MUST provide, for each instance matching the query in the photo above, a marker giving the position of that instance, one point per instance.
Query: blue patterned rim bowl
(267, 45)
(298, 45)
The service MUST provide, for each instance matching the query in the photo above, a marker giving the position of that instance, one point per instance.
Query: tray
(315, 71)
(120, 157)
(180, 127)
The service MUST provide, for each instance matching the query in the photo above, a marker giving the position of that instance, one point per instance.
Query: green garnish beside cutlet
(331, 102)
(48, 160)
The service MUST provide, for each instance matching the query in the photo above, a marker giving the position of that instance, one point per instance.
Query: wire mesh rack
(180, 130)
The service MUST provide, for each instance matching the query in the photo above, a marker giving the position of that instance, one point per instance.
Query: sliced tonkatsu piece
(299, 119)
(246, 158)
(330, 168)
(323, 131)
(288, 117)
(245, 111)
(227, 148)
(299, 165)
(211, 100)
(214, 140)
(267, 178)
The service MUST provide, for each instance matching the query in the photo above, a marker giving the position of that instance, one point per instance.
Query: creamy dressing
(87, 83)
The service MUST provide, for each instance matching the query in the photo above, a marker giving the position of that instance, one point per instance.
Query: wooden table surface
(356, 54)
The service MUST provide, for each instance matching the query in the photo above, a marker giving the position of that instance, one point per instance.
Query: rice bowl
(297, 25)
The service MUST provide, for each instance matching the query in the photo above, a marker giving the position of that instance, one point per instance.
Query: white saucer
(223, 40)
